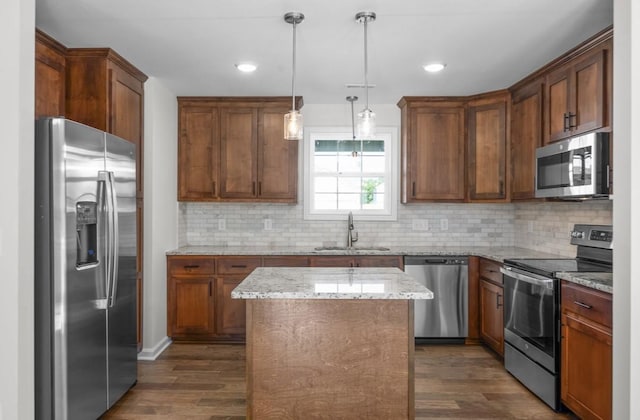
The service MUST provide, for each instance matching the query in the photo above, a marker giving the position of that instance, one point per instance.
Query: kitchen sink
(353, 248)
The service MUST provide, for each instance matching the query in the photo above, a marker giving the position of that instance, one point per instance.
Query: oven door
(531, 314)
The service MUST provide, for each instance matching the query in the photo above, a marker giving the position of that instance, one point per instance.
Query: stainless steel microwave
(574, 168)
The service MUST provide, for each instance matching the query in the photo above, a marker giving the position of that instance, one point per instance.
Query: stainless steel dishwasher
(446, 315)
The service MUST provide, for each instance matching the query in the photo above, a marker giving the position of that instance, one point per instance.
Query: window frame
(390, 136)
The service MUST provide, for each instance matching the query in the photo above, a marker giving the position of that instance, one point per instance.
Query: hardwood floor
(201, 381)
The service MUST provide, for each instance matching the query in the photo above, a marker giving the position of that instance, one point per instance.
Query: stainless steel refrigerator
(85, 270)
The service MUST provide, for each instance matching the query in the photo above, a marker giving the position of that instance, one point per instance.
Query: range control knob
(577, 234)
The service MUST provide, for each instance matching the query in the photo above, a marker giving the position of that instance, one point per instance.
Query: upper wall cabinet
(49, 77)
(526, 136)
(233, 149)
(487, 147)
(432, 150)
(106, 92)
(578, 91)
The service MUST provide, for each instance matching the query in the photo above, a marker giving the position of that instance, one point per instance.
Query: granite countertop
(598, 281)
(329, 283)
(494, 253)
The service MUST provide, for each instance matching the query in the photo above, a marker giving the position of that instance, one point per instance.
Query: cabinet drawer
(589, 303)
(490, 270)
(238, 265)
(191, 265)
(286, 261)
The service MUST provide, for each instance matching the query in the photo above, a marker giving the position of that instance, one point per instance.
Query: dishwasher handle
(436, 260)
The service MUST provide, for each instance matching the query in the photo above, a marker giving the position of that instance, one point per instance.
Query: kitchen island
(330, 342)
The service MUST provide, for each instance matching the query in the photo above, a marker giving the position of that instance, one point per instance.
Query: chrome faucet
(350, 236)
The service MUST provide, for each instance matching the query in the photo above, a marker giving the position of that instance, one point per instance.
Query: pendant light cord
(366, 83)
(353, 123)
(293, 77)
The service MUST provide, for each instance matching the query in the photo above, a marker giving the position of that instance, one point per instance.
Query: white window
(343, 174)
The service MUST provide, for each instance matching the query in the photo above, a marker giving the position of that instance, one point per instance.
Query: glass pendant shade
(366, 127)
(293, 124)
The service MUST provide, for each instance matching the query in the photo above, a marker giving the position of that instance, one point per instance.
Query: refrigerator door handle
(113, 229)
(103, 206)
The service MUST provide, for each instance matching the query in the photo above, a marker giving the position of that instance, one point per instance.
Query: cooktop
(549, 267)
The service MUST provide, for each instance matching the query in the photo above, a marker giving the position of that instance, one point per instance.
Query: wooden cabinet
(577, 94)
(190, 299)
(357, 261)
(433, 164)
(232, 149)
(286, 261)
(526, 136)
(586, 364)
(50, 68)
(198, 149)
(487, 119)
(105, 91)
(199, 303)
(491, 299)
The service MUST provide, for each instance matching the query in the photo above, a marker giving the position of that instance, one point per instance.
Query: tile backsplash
(417, 225)
(542, 226)
(545, 226)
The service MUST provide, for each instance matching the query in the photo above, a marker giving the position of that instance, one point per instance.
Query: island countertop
(330, 283)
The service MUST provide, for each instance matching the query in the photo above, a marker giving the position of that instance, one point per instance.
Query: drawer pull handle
(191, 267)
(238, 266)
(584, 305)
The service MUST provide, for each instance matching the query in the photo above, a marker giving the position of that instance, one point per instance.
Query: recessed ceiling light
(246, 67)
(434, 67)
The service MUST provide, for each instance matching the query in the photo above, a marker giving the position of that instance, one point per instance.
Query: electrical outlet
(268, 224)
(444, 224)
(222, 224)
(530, 226)
(420, 224)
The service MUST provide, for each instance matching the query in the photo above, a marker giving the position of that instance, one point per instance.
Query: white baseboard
(155, 351)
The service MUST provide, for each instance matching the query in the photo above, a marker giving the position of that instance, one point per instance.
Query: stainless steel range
(532, 309)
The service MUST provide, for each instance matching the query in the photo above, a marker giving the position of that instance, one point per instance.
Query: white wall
(16, 211)
(626, 208)
(160, 210)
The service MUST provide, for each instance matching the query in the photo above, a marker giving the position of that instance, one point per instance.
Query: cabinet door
(198, 153)
(588, 93)
(491, 310)
(557, 100)
(487, 151)
(238, 150)
(436, 154)
(586, 369)
(49, 77)
(230, 313)
(277, 158)
(526, 136)
(126, 104)
(190, 306)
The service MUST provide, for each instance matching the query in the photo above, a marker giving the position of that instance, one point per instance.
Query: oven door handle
(546, 283)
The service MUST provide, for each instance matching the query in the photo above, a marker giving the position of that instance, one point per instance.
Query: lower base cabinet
(199, 303)
(586, 364)
(491, 294)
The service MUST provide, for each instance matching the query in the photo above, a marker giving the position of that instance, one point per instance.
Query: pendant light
(352, 99)
(293, 119)
(366, 118)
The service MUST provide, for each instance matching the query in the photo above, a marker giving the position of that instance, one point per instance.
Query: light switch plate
(222, 224)
(444, 224)
(268, 224)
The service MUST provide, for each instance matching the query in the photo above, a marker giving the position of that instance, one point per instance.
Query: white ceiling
(192, 45)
